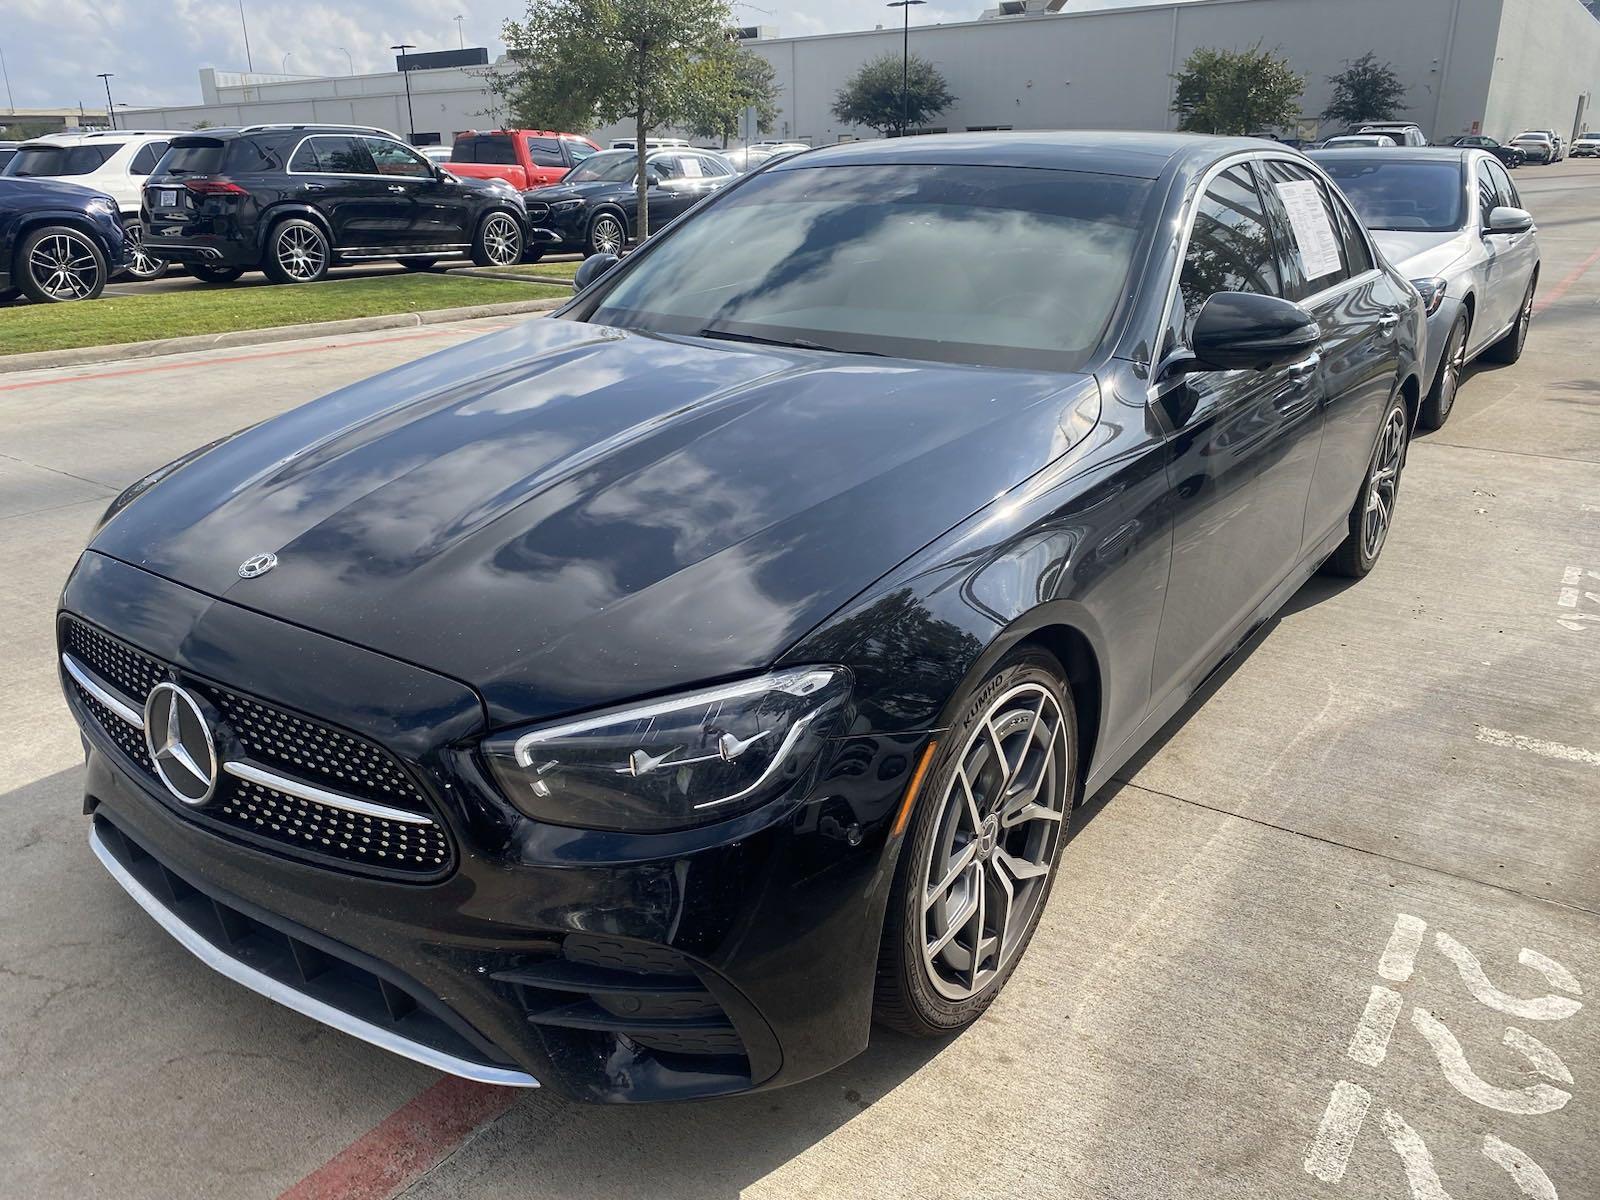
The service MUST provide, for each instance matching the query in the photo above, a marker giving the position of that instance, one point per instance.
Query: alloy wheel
(301, 253)
(1384, 482)
(142, 265)
(63, 266)
(1524, 319)
(1454, 364)
(1000, 821)
(502, 241)
(606, 236)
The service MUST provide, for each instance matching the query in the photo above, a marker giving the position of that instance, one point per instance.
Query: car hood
(565, 515)
(567, 191)
(1422, 255)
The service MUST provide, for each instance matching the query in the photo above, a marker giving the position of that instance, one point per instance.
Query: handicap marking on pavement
(1579, 598)
(1346, 1113)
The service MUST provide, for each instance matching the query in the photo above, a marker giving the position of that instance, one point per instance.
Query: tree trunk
(641, 182)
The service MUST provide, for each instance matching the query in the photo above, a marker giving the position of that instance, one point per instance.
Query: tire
(1441, 397)
(58, 264)
(532, 254)
(418, 264)
(297, 251)
(1509, 348)
(140, 267)
(9, 294)
(498, 241)
(1370, 520)
(934, 994)
(607, 235)
(207, 274)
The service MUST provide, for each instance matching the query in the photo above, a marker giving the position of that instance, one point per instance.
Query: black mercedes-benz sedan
(642, 700)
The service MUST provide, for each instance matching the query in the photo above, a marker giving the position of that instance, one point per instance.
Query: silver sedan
(1452, 220)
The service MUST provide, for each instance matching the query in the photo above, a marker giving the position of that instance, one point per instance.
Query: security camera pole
(411, 121)
(905, 59)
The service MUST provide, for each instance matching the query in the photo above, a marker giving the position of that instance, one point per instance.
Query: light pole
(10, 103)
(411, 121)
(245, 29)
(905, 59)
(111, 113)
(286, 58)
(348, 59)
(461, 38)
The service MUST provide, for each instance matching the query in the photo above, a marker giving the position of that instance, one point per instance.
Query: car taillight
(214, 187)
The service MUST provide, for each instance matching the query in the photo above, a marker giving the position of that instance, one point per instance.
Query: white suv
(113, 161)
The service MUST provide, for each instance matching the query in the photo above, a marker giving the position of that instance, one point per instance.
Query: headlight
(566, 205)
(669, 764)
(1432, 292)
(103, 204)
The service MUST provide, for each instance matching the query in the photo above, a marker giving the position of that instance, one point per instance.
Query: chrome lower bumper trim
(306, 791)
(306, 1005)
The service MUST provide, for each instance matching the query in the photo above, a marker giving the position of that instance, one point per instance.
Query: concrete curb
(83, 355)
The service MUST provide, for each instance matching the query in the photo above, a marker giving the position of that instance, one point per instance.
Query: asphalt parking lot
(1336, 934)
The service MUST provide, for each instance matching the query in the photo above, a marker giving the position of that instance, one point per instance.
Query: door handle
(1387, 323)
(316, 187)
(1305, 370)
(395, 187)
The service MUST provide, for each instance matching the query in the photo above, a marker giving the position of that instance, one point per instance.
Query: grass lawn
(116, 319)
(554, 270)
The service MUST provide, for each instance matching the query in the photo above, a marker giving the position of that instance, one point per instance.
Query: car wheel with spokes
(498, 242)
(297, 252)
(1373, 513)
(141, 264)
(1509, 348)
(1441, 397)
(981, 849)
(606, 235)
(207, 274)
(59, 264)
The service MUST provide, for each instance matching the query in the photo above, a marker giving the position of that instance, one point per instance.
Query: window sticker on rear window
(1313, 234)
(691, 167)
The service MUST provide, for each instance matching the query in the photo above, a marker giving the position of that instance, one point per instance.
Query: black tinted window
(341, 156)
(36, 161)
(391, 158)
(545, 152)
(495, 149)
(192, 158)
(1420, 196)
(145, 160)
(1230, 247)
(578, 151)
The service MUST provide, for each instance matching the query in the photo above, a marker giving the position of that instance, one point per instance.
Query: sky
(54, 49)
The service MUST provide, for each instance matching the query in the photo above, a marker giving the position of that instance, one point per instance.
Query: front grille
(294, 749)
(538, 210)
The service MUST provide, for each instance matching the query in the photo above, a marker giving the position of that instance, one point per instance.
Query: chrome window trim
(289, 786)
(360, 137)
(89, 683)
(309, 1006)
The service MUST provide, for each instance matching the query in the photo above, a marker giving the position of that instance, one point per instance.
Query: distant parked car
(1451, 220)
(8, 151)
(651, 144)
(524, 158)
(1364, 140)
(294, 200)
(1586, 145)
(1537, 145)
(595, 208)
(1509, 156)
(756, 154)
(113, 161)
(437, 155)
(58, 241)
(1404, 133)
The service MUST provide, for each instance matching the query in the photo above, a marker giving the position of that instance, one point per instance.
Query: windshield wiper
(728, 335)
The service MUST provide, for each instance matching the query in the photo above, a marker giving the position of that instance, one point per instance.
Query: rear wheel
(58, 264)
(1441, 397)
(297, 252)
(981, 851)
(1509, 348)
(498, 242)
(141, 265)
(206, 274)
(1374, 508)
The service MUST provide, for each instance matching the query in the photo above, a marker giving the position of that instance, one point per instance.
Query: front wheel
(498, 242)
(141, 266)
(59, 264)
(1509, 348)
(981, 850)
(1441, 397)
(1373, 512)
(606, 235)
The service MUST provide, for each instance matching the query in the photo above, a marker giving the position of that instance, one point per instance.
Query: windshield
(1532, 137)
(1425, 197)
(613, 166)
(1002, 266)
(58, 160)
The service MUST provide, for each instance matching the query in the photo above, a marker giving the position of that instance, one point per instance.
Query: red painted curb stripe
(1565, 286)
(407, 1143)
(232, 358)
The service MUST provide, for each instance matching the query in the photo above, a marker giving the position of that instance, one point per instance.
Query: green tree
(580, 63)
(873, 97)
(1237, 91)
(722, 86)
(1366, 90)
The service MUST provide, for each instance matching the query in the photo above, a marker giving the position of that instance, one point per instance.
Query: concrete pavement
(1336, 934)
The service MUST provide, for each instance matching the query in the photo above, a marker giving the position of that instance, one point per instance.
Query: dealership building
(1491, 66)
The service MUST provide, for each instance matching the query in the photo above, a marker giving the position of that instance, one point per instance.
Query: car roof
(238, 131)
(1142, 155)
(87, 136)
(1399, 154)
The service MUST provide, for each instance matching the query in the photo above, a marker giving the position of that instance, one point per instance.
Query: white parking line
(1336, 1136)
(1371, 1041)
(1516, 741)
(1400, 955)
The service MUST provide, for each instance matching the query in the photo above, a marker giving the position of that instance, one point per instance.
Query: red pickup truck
(525, 158)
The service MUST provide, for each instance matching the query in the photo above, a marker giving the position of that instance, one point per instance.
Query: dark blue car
(58, 241)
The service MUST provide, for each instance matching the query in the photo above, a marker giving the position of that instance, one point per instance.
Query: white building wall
(1547, 64)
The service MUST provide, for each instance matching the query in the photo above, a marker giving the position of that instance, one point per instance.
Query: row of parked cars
(295, 200)
(1543, 146)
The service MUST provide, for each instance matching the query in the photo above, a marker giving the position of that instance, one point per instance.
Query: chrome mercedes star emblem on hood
(178, 737)
(257, 564)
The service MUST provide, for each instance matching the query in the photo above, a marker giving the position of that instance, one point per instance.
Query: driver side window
(1230, 250)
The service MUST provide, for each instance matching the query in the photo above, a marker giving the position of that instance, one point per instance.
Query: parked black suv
(294, 200)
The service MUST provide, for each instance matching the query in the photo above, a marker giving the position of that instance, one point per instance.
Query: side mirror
(1504, 219)
(1241, 331)
(591, 269)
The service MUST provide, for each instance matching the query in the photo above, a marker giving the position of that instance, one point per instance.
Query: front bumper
(611, 967)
